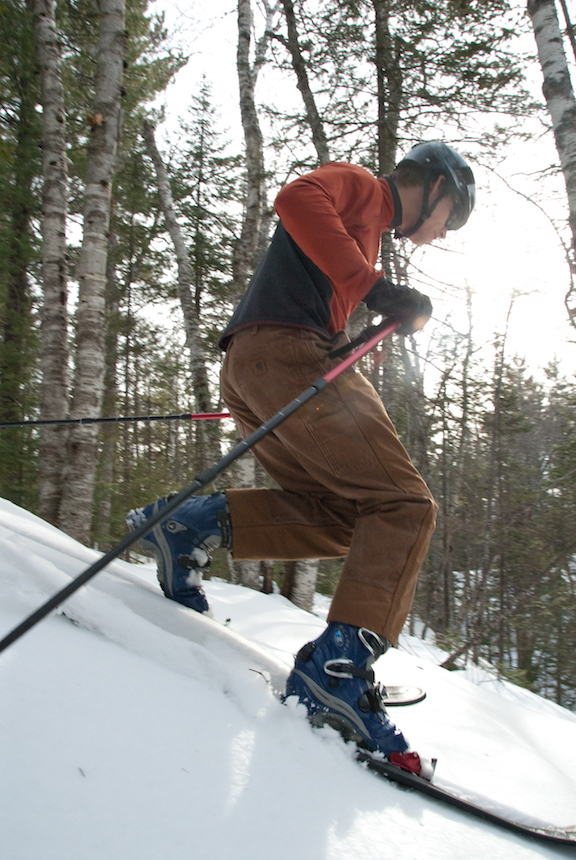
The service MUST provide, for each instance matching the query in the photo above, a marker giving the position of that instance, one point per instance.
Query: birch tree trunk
(185, 273)
(313, 118)
(90, 353)
(561, 104)
(102, 519)
(206, 439)
(254, 223)
(299, 584)
(247, 572)
(249, 243)
(389, 87)
(55, 376)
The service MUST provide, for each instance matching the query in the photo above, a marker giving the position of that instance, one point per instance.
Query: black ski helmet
(441, 159)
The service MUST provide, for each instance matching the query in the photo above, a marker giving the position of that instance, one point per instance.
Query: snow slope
(123, 741)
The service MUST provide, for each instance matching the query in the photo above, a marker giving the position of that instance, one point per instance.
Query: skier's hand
(407, 306)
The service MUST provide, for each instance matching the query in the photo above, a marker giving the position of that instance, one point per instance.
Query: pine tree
(208, 197)
(20, 207)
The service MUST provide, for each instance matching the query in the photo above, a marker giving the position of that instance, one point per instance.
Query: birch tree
(313, 116)
(55, 371)
(190, 308)
(185, 273)
(105, 123)
(249, 61)
(299, 585)
(561, 104)
(253, 234)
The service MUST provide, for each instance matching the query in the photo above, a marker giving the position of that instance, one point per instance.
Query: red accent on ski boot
(407, 761)
(412, 762)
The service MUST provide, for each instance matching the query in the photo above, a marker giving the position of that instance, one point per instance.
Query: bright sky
(508, 247)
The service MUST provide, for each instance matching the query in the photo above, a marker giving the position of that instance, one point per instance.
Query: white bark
(106, 121)
(246, 572)
(185, 274)
(304, 584)
(55, 381)
(249, 245)
(246, 249)
(313, 118)
(207, 437)
(561, 105)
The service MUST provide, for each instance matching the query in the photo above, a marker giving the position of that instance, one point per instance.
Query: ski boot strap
(347, 669)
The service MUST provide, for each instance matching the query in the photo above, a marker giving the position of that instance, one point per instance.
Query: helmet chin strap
(425, 213)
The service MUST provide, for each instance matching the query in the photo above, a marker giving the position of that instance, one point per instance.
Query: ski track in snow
(122, 741)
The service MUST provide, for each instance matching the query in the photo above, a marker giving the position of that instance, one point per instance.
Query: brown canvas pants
(348, 487)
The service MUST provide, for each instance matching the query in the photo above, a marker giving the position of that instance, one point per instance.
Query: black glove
(402, 304)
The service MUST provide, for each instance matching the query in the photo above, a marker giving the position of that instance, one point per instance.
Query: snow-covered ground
(122, 741)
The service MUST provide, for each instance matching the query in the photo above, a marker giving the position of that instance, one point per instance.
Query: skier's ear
(437, 188)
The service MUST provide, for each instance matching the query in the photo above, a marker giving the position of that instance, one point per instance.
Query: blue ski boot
(182, 542)
(333, 677)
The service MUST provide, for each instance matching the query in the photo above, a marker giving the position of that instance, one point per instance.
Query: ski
(405, 779)
(396, 697)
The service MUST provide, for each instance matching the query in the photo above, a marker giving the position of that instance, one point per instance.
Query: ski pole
(201, 480)
(188, 416)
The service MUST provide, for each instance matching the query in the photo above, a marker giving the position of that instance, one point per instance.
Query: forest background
(140, 152)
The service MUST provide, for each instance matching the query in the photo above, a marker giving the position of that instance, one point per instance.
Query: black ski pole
(201, 480)
(184, 416)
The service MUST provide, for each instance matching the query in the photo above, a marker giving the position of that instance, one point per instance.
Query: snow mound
(122, 740)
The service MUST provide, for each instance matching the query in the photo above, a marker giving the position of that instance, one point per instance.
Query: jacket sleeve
(334, 214)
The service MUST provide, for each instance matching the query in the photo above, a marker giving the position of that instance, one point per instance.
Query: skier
(347, 486)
